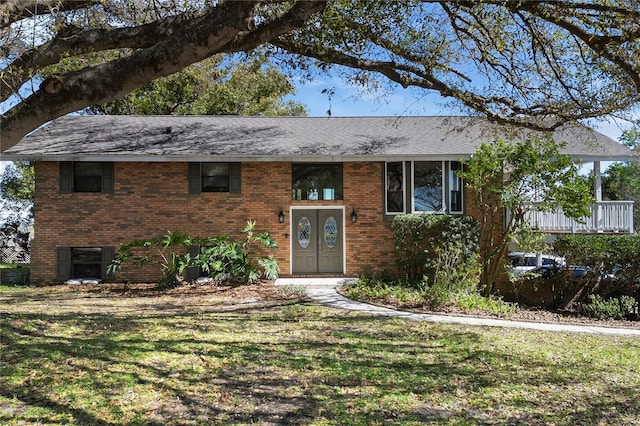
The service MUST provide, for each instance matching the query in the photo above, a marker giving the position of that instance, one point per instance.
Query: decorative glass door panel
(304, 232)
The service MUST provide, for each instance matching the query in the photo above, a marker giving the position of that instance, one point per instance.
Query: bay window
(423, 187)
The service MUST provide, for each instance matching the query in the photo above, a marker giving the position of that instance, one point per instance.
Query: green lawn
(103, 358)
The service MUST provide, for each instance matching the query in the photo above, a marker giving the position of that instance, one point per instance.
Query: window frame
(408, 188)
(403, 189)
(212, 166)
(68, 177)
(338, 189)
(65, 261)
(459, 182)
(195, 177)
(443, 198)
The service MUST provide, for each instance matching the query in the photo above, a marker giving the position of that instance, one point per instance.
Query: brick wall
(151, 198)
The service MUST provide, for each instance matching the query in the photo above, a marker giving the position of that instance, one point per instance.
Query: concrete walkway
(323, 290)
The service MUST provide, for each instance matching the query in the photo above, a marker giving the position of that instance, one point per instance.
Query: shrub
(167, 251)
(224, 259)
(220, 257)
(613, 308)
(419, 241)
(453, 274)
(613, 260)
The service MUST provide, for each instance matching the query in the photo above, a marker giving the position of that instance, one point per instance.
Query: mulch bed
(267, 292)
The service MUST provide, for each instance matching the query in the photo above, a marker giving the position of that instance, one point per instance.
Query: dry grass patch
(210, 355)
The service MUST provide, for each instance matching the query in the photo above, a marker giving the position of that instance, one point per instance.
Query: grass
(102, 358)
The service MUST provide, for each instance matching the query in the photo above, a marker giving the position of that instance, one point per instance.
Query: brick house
(327, 189)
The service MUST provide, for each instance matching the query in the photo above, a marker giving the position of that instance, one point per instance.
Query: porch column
(597, 181)
(597, 192)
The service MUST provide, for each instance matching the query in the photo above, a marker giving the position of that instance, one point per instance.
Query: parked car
(554, 270)
(520, 262)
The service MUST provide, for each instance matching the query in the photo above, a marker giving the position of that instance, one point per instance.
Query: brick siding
(151, 198)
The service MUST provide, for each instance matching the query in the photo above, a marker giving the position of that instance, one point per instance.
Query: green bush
(225, 259)
(419, 241)
(168, 251)
(220, 257)
(454, 273)
(14, 274)
(613, 261)
(613, 308)
(402, 295)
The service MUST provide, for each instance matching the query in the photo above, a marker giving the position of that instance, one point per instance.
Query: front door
(317, 241)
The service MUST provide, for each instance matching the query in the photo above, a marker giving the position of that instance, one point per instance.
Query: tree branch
(200, 38)
(16, 10)
(72, 41)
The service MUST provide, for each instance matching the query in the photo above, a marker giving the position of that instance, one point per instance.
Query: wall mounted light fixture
(281, 216)
(354, 216)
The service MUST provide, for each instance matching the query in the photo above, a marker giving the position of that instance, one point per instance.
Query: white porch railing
(606, 216)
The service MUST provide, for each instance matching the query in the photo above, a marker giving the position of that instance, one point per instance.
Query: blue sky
(347, 101)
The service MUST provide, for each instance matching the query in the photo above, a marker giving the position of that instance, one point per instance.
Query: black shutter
(63, 263)
(66, 177)
(234, 178)
(195, 179)
(107, 178)
(108, 254)
(193, 272)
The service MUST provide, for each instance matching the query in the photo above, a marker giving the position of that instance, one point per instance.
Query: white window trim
(408, 187)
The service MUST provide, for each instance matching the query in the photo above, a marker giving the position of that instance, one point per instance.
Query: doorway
(317, 241)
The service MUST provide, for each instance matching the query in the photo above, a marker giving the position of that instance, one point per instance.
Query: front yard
(107, 355)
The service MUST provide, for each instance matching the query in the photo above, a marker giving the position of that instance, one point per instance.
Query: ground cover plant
(405, 296)
(115, 355)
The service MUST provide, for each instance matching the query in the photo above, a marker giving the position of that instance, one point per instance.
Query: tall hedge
(418, 237)
(613, 261)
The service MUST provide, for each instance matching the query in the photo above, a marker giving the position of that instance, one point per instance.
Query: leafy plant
(453, 274)
(159, 250)
(613, 260)
(220, 257)
(418, 239)
(225, 259)
(614, 308)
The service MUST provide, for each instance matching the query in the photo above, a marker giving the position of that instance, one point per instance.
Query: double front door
(317, 241)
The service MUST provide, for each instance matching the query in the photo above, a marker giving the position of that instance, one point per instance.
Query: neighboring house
(326, 188)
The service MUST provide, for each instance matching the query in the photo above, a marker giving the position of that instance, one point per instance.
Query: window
(455, 188)
(214, 177)
(86, 177)
(83, 262)
(394, 183)
(434, 187)
(316, 182)
(428, 188)
(86, 262)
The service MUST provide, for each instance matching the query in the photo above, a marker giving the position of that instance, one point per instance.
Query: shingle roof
(237, 138)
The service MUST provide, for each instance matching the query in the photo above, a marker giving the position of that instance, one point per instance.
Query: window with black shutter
(214, 177)
(80, 176)
(83, 262)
